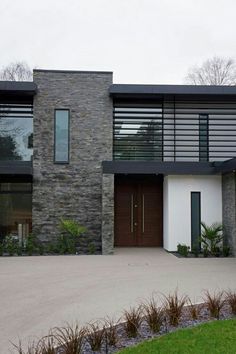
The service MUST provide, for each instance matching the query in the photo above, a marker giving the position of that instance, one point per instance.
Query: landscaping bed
(143, 322)
(145, 333)
(214, 337)
(199, 255)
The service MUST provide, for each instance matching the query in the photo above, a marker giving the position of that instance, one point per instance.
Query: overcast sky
(141, 41)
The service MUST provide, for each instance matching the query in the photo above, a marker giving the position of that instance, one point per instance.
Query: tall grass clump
(70, 339)
(231, 300)
(194, 310)
(95, 335)
(153, 314)
(133, 320)
(214, 303)
(174, 307)
(111, 334)
(45, 345)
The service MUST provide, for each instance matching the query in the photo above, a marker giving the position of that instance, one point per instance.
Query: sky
(141, 41)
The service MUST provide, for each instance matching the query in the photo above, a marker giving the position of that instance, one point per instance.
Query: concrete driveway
(37, 293)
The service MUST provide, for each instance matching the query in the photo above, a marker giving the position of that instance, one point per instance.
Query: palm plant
(211, 236)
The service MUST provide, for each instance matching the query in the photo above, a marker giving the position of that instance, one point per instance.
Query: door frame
(137, 179)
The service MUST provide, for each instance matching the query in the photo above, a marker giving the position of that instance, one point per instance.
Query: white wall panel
(177, 206)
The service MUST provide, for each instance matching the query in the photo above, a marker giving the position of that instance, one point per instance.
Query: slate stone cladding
(229, 209)
(74, 190)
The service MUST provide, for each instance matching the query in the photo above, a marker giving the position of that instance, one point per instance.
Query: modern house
(138, 165)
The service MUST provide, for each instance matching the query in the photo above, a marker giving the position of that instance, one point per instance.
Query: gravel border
(145, 333)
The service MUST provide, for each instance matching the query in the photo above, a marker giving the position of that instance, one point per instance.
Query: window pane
(195, 219)
(62, 136)
(16, 209)
(16, 138)
(203, 137)
(137, 132)
(15, 187)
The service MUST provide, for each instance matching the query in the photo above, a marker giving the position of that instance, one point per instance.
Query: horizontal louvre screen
(175, 129)
(137, 132)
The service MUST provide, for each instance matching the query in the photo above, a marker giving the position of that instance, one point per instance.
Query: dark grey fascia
(156, 167)
(21, 88)
(16, 168)
(226, 166)
(132, 90)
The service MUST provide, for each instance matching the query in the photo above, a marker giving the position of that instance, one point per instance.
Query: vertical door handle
(132, 213)
(143, 214)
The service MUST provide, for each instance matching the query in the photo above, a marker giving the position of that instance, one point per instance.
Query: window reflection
(61, 135)
(16, 132)
(15, 208)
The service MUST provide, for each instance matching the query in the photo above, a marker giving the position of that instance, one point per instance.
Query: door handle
(132, 213)
(143, 214)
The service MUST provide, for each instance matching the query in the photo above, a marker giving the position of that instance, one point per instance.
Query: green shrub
(71, 231)
(19, 250)
(10, 245)
(205, 251)
(72, 227)
(211, 236)
(183, 249)
(31, 244)
(226, 251)
(91, 248)
(1, 249)
(66, 244)
(41, 248)
(196, 250)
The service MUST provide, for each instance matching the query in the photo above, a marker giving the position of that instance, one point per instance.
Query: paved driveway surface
(37, 293)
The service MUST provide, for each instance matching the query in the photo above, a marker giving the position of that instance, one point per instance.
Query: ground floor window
(195, 219)
(15, 209)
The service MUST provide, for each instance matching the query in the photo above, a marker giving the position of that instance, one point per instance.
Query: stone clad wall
(108, 214)
(74, 190)
(229, 209)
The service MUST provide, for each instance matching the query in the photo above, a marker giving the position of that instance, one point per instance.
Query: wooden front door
(138, 211)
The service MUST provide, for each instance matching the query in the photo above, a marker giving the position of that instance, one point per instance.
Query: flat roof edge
(130, 89)
(16, 168)
(159, 167)
(74, 71)
(18, 87)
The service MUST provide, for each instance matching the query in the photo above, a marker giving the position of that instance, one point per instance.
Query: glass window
(137, 133)
(16, 132)
(15, 187)
(61, 135)
(195, 219)
(203, 137)
(16, 209)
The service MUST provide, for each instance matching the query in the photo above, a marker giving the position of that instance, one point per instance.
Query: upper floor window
(61, 146)
(16, 131)
(137, 131)
(203, 137)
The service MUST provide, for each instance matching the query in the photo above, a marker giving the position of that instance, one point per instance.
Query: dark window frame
(17, 110)
(204, 117)
(54, 157)
(29, 191)
(192, 217)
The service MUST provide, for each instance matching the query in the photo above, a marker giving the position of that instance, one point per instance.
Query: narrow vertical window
(61, 143)
(195, 219)
(203, 138)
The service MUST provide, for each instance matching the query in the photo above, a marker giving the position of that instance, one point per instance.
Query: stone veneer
(76, 190)
(229, 209)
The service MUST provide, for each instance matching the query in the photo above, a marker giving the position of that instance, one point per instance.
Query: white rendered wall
(177, 206)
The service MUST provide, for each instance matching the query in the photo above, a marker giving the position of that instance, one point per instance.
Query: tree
(215, 71)
(8, 148)
(18, 71)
